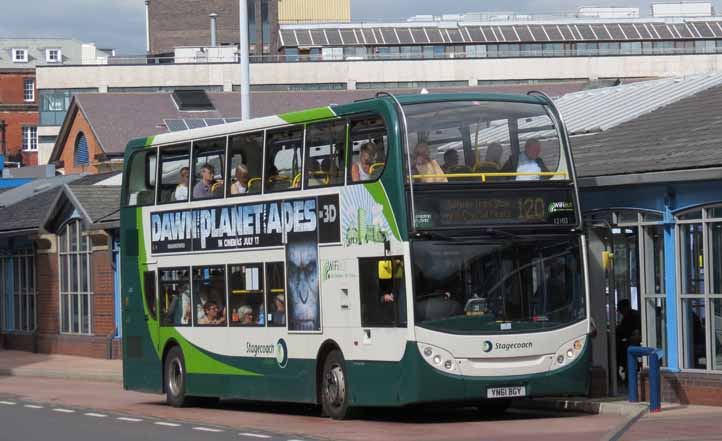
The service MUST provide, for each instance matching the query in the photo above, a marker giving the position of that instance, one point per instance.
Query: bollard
(653, 354)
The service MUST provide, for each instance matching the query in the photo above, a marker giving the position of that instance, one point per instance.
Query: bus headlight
(439, 358)
(568, 352)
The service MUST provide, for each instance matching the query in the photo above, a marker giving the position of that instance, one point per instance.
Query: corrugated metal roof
(601, 109)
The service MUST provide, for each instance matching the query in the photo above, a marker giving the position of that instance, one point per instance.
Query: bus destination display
(446, 210)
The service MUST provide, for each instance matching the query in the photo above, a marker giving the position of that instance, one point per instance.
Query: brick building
(20, 101)
(58, 266)
(175, 24)
(18, 115)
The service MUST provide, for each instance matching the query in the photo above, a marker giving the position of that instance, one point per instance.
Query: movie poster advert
(304, 313)
(240, 226)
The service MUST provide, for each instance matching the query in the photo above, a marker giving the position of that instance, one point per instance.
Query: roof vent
(192, 99)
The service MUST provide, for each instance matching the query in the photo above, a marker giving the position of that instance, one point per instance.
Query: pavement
(77, 381)
(28, 364)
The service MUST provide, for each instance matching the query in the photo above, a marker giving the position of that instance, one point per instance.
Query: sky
(120, 24)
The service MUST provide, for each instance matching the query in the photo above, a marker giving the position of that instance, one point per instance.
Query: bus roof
(320, 113)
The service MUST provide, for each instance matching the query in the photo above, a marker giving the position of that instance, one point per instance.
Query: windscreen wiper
(501, 233)
(433, 236)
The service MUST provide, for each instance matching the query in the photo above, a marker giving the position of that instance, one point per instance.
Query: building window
(76, 298)
(24, 290)
(20, 55)
(29, 89)
(700, 234)
(30, 138)
(53, 55)
(81, 150)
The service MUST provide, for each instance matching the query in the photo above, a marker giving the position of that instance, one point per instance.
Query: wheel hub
(175, 377)
(335, 386)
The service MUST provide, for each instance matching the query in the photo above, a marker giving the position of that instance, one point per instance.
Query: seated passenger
(203, 188)
(245, 315)
(213, 315)
(241, 184)
(361, 170)
(426, 167)
(530, 161)
(279, 314)
(181, 190)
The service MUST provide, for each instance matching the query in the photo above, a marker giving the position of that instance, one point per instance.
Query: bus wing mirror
(385, 271)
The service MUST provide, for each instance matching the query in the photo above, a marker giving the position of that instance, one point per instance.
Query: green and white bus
(395, 250)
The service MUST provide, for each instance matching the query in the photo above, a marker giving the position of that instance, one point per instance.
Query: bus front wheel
(175, 378)
(334, 387)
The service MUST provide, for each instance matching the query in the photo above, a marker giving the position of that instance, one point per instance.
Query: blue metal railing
(654, 355)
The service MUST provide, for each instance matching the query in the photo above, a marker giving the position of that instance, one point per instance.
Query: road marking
(131, 420)
(63, 410)
(207, 429)
(8, 403)
(96, 415)
(163, 423)
(33, 406)
(255, 435)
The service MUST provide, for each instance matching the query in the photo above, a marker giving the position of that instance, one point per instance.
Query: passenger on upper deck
(241, 184)
(204, 188)
(425, 167)
(530, 161)
(361, 170)
(181, 190)
(451, 163)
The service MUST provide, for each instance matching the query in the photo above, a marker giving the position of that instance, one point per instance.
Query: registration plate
(506, 392)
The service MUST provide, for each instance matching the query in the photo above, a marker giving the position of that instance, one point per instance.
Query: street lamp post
(245, 68)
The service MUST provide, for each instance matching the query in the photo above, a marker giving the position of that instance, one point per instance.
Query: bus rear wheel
(334, 387)
(175, 378)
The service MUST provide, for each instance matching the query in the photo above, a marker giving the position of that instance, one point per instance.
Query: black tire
(174, 375)
(493, 408)
(334, 388)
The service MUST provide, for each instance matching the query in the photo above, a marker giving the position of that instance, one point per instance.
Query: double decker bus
(395, 250)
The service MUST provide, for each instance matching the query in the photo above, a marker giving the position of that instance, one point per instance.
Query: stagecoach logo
(281, 353)
(488, 345)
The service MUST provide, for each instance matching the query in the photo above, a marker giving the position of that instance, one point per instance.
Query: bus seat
(217, 189)
(253, 183)
(486, 167)
(296, 181)
(146, 197)
(318, 178)
(376, 169)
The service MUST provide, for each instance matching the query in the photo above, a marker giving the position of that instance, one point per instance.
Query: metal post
(632, 375)
(213, 28)
(147, 26)
(654, 383)
(245, 68)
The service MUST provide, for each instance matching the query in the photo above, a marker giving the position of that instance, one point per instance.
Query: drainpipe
(213, 17)
(147, 26)
(3, 126)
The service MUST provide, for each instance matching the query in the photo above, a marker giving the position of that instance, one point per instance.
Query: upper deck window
(208, 168)
(284, 159)
(140, 184)
(367, 147)
(481, 142)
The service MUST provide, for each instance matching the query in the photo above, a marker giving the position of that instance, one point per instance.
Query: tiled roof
(29, 213)
(686, 134)
(98, 202)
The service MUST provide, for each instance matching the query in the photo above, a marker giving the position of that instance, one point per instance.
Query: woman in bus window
(241, 184)
(361, 170)
(425, 167)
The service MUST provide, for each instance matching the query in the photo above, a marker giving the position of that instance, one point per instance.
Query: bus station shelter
(651, 195)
